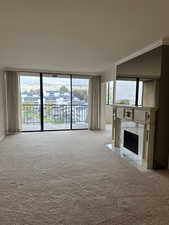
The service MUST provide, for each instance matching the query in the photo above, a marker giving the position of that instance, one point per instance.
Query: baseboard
(2, 137)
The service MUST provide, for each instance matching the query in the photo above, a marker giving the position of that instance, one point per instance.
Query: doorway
(53, 102)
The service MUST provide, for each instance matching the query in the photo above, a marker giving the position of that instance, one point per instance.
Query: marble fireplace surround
(140, 121)
(134, 128)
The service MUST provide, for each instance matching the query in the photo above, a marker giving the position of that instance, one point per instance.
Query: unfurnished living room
(84, 89)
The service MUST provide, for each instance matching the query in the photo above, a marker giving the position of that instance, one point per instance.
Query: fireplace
(133, 133)
(130, 141)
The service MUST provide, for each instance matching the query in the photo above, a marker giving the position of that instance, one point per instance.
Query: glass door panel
(30, 101)
(80, 103)
(53, 102)
(56, 102)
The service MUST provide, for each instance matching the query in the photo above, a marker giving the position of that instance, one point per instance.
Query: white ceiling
(77, 35)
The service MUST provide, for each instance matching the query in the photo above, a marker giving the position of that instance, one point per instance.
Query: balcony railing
(55, 114)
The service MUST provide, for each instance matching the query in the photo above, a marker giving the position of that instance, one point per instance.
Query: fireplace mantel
(145, 116)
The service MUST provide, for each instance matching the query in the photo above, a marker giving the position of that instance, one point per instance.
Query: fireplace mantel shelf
(145, 108)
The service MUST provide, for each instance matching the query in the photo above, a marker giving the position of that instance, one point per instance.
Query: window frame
(137, 80)
(41, 76)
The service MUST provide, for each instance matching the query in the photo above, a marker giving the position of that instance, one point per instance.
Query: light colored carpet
(70, 178)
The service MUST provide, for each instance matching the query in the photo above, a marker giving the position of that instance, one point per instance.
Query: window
(53, 101)
(109, 93)
(30, 101)
(80, 103)
(125, 92)
(129, 91)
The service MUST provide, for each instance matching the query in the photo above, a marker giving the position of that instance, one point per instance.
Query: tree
(81, 94)
(63, 89)
(34, 91)
(123, 102)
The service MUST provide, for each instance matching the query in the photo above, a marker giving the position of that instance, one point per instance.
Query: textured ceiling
(76, 35)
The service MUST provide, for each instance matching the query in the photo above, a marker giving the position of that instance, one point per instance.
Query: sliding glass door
(53, 102)
(79, 103)
(56, 102)
(30, 101)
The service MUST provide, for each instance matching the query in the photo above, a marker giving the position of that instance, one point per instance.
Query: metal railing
(54, 113)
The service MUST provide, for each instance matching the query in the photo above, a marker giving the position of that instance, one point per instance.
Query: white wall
(150, 93)
(108, 114)
(108, 75)
(2, 107)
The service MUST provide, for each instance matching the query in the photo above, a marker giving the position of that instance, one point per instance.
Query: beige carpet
(70, 178)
